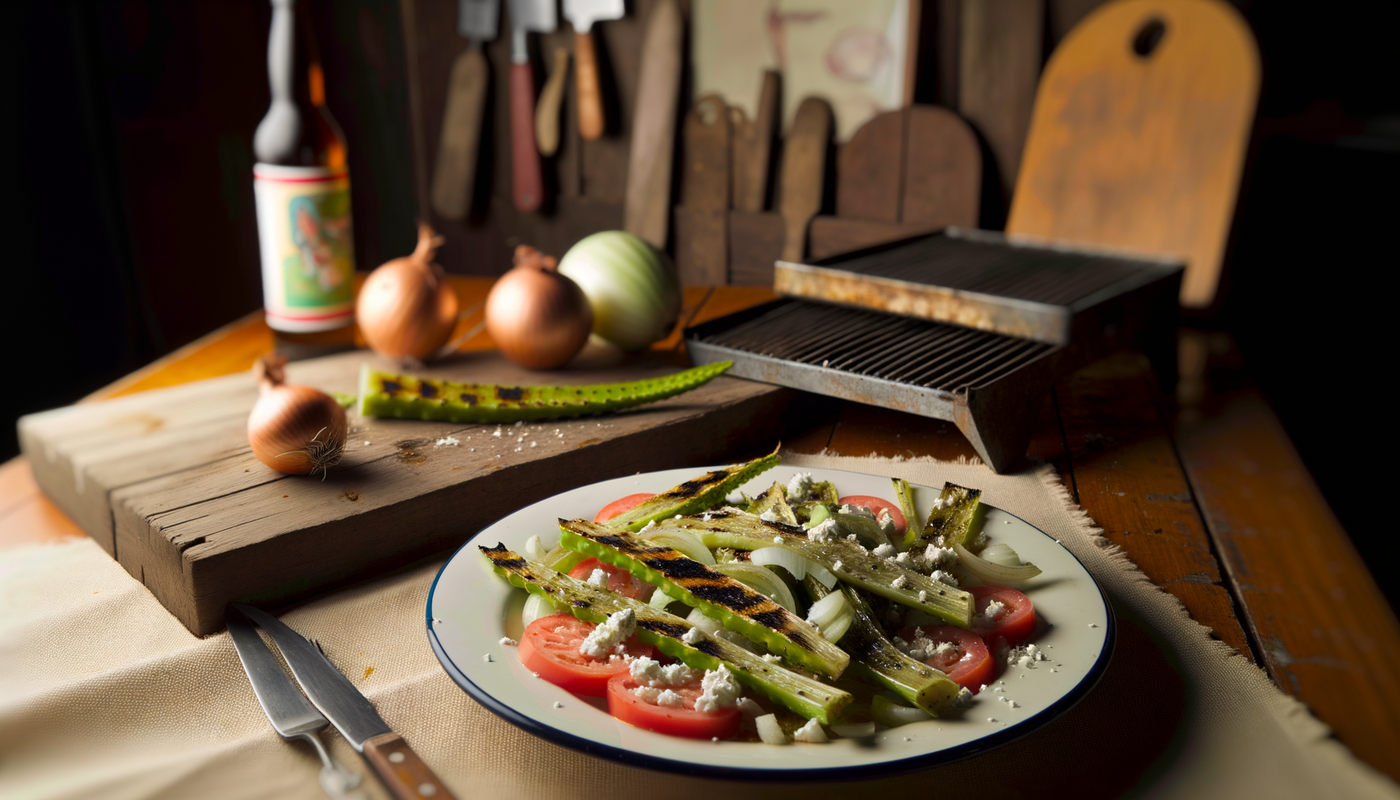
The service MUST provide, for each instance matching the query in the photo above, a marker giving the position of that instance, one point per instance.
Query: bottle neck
(293, 66)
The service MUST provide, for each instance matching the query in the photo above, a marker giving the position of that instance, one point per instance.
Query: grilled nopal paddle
(384, 394)
(717, 595)
(673, 636)
(695, 495)
(955, 515)
(850, 562)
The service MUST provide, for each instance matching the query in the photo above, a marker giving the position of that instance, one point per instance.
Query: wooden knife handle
(527, 184)
(455, 174)
(590, 98)
(403, 773)
(547, 109)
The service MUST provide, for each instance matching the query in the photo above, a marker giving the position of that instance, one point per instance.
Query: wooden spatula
(804, 174)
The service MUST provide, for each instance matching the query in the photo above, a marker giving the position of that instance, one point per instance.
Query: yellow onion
(537, 317)
(294, 429)
(406, 308)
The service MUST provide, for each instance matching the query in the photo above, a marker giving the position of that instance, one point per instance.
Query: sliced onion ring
(536, 607)
(770, 731)
(761, 580)
(995, 574)
(890, 713)
(823, 575)
(683, 542)
(781, 557)
(854, 730)
(832, 615)
(535, 549)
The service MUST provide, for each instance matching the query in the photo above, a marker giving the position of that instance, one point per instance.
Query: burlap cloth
(104, 695)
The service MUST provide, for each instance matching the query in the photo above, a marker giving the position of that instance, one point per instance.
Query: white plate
(470, 609)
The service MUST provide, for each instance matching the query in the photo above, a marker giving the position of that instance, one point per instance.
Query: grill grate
(930, 355)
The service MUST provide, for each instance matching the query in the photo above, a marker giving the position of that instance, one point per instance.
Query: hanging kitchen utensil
(551, 97)
(582, 14)
(454, 177)
(527, 182)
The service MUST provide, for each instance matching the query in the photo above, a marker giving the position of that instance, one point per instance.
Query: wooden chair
(1139, 132)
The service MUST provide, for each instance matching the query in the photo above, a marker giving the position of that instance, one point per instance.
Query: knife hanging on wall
(582, 14)
(527, 181)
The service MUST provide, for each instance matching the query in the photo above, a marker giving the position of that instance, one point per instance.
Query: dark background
(130, 232)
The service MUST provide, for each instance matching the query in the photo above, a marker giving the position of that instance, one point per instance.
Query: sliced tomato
(876, 504)
(968, 663)
(682, 720)
(619, 579)
(549, 647)
(1017, 620)
(621, 506)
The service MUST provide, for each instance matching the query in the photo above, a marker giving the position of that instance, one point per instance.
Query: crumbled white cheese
(1025, 655)
(943, 577)
(649, 526)
(811, 732)
(886, 521)
(649, 672)
(705, 516)
(692, 636)
(670, 699)
(994, 611)
(487, 658)
(777, 540)
(964, 698)
(599, 578)
(837, 566)
(719, 691)
(799, 487)
(509, 642)
(939, 502)
(497, 433)
(825, 531)
(611, 633)
(923, 596)
(772, 659)
(519, 423)
(884, 551)
(902, 558)
(859, 511)
(768, 516)
(1008, 701)
(935, 556)
(898, 582)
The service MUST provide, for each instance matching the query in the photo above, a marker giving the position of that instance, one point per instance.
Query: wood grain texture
(702, 247)
(590, 99)
(998, 65)
(803, 179)
(942, 180)
(870, 169)
(402, 771)
(647, 203)
(1143, 151)
(1326, 633)
(547, 109)
(753, 146)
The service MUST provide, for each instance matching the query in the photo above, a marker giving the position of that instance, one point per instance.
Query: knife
(291, 716)
(583, 13)
(527, 183)
(398, 767)
(455, 176)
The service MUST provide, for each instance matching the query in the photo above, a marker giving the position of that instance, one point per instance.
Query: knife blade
(400, 769)
(527, 181)
(582, 14)
(458, 147)
(286, 708)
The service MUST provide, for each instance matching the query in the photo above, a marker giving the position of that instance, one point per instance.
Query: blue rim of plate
(883, 769)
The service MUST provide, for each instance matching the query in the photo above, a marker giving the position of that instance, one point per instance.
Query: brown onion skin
(538, 318)
(294, 429)
(406, 308)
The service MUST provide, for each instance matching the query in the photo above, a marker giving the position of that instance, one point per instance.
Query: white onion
(684, 542)
(536, 607)
(890, 713)
(770, 731)
(661, 600)
(996, 574)
(634, 290)
(832, 615)
(1001, 553)
(781, 557)
(714, 627)
(535, 549)
(762, 581)
(823, 575)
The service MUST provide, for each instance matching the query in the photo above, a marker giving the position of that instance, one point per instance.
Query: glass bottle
(302, 186)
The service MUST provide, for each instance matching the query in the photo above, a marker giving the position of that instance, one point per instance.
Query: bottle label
(308, 259)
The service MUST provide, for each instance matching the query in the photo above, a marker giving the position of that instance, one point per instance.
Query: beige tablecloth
(104, 695)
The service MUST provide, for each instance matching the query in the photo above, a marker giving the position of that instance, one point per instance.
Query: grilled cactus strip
(803, 695)
(717, 595)
(775, 501)
(384, 394)
(695, 495)
(913, 529)
(875, 658)
(859, 567)
(957, 513)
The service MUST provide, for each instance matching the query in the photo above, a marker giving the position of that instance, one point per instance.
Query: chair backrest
(1139, 133)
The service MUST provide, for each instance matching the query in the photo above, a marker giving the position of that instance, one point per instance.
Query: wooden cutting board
(165, 482)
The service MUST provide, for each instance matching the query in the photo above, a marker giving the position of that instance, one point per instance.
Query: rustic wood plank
(870, 169)
(1325, 631)
(702, 249)
(1143, 151)
(1127, 478)
(829, 236)
(942, 182)
(999, 63)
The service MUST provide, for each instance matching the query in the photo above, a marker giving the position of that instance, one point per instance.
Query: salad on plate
(795, 614)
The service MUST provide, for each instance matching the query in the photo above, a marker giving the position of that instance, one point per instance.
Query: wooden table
(1204, 491)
